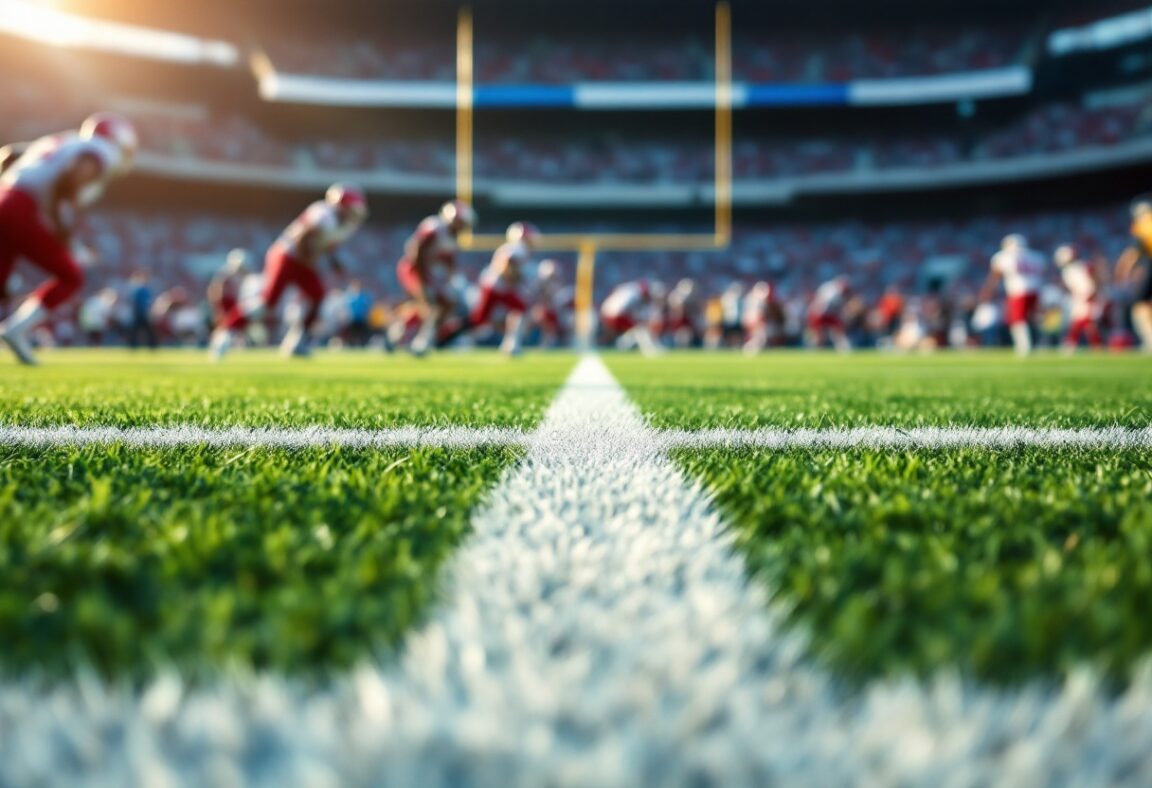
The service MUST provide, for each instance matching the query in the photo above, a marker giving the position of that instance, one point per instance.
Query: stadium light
(43, 24)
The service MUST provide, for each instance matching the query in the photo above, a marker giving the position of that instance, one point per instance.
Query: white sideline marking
(272, 437)
(464, 437)
(600, 632)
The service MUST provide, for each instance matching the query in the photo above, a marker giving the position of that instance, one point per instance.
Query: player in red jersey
(502, 281)
(317, 233)
(1022, 271)
(44, 188)
(1085, 307)
(427, 266)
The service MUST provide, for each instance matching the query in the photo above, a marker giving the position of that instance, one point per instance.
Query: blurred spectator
(140, 323)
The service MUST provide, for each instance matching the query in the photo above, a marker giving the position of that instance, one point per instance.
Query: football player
(293, 258)
(224, 289)
(1133, 269)
(1084, 307)
(426, 269)
(43, 191)
(683, 314)
(1022, 271)
(763, 318)
(501, 282)
(552, 303)
(824, 314)
(626, 314)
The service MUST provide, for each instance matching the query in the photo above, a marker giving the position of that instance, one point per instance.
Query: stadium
(633, 393)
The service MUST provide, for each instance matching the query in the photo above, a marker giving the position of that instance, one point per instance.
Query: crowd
(606, 158)
(800, 56)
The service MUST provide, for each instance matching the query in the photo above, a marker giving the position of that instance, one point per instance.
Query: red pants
(825, 322)
(490, 299)
(24, 234)
(1020, 308)
(280, 271)
(1083, 328)
(618, 324)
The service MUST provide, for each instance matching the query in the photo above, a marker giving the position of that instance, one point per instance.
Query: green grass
(1002, 565)
(695, 391)
(351, 390)
(132, 561)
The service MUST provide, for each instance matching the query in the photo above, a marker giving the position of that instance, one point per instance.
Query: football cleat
(19, 347)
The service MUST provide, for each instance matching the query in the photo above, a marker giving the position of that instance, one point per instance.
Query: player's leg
(23, 233)
(1142, 323)
(297, 342)
(1018, 316)
(514, 323)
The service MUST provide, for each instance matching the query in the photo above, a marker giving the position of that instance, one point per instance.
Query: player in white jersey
(552, 303)
(43, 190)
(224, 289)
(502, 281)
(683, 314)
(1022, 271)
(626, 314)
(425, 270)
(1084, 306)
(317, 233)
(825, 320)
(763, 318)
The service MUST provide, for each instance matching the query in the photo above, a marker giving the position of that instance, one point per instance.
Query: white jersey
(829, 298)
(47, 160)
(322, 223)
(626, 299)
(507, 261)
(437, 241)
(1082, 288)
(1022, 270)
(756, 307)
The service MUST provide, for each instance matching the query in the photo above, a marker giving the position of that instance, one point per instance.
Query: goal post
(588, 245)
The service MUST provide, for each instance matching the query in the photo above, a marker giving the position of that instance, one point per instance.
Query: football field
(604, 570)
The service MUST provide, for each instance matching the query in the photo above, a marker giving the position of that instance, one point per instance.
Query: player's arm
(63, 208)
(1126, 265)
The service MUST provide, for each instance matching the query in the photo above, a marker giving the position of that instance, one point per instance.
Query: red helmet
(458, 214)
(115, 129)
(523, 231)
(348, 198)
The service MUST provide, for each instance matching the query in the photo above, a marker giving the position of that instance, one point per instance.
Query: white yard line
(463, 437)
(599, 632)
(272, 437)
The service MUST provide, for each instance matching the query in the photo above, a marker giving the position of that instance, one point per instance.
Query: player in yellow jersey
(1133, 266)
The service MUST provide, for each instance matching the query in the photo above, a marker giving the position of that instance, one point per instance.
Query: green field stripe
(795, 390)
(1003, 565)
(347, 391)
(306, 560)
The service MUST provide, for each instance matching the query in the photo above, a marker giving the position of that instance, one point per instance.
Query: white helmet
(547, 269)
(237, 260)
(115, 129)
(524, 232)
(458, 215)
(1064, 255)
(348, 198)
(1014, 241)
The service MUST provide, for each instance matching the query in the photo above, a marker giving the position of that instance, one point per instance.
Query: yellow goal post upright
(587, 245)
